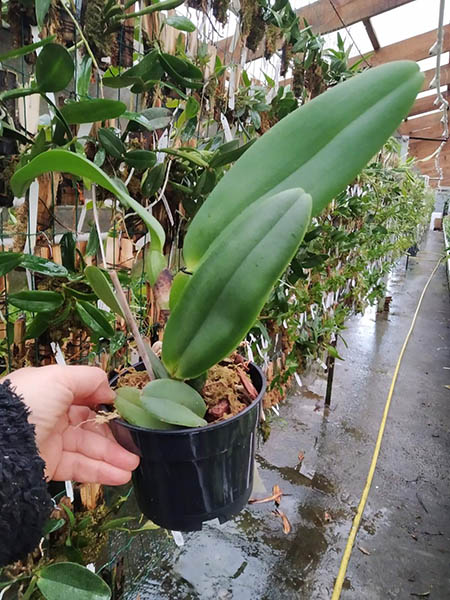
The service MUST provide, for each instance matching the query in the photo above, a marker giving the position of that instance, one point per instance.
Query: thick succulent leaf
(69, 162)
(179, 283)
(101, 286)
(223, 298)
(54, 68)
(23, 50)
(319, 147)
(176, 391)
(36, 301)
(172, 412)
(95, 319)
(136, 415)
(92, 110)
(130, 394)
(43, 266)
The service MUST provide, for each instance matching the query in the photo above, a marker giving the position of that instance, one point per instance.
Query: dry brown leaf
(286, 525)
(275, 497)
(248, 385)
(363, 550)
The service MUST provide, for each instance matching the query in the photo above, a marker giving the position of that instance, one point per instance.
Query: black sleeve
(25, 503)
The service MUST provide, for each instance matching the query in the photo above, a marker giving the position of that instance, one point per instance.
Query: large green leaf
(176, 391)
(43, 266)
(182, 71)
(319, 147)
(147, 69)
(69, 162)
(101, 286)
(9, 261)
(222, 299)
(54, 68)
(36, 301)
(92, 110)
(70, 581)
(95, 319)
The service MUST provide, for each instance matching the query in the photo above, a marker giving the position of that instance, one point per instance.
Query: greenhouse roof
(379, 31)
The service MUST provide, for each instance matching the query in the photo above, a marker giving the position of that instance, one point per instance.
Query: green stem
(60, 117)
(30, 589)
(85, 42)
(164, 5)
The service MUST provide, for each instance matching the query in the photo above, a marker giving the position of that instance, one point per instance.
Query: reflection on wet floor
(320, 459)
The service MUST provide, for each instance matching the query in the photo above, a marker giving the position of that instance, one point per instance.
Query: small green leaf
(155, 262)
(226, 156)
(172, 412)
(68, 250)
(23, 50)
(54, 68)
(93, 243)
(41, 8)
(70, 581)
(116, 523)
(101, 286)
(177, 392)
(140, 159)
(136, 415)
(153, 180)
(95, 319)
(36, 301)
(92, 110)
(9, 261)
(150, 118)
(181, 23)
(84, 76)
(100, 157)
(130, 394)
(159, 370)
(192, 107)
(18, 93)
(43, 266)
(38, 325)
(111, 143)
(86, 296)
(53, 525)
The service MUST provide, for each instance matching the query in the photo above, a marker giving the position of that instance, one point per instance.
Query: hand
(72, 445)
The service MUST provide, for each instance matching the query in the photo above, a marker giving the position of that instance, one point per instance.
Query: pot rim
(210, 426)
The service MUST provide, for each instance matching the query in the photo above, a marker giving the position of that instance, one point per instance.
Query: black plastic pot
(189, 476)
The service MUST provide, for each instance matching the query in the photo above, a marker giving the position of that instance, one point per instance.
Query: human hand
(72, 445)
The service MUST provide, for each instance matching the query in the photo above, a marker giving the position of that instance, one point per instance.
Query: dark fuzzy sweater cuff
(25, 503)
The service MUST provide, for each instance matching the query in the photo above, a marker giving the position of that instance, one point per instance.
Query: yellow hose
(362, 503)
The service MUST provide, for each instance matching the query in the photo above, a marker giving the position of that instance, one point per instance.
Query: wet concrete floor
(403, 547)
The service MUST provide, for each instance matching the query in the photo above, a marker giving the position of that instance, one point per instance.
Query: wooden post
(330, 370)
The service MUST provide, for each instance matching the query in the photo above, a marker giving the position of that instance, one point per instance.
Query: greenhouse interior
(279, 168)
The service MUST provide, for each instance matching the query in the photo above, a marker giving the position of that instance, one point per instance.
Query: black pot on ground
(189, 476)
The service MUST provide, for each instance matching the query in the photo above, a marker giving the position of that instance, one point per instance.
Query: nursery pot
(189, 476)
